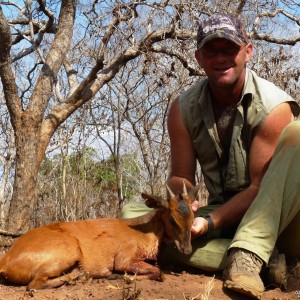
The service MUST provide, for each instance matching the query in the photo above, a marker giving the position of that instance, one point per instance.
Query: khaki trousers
(273, 219)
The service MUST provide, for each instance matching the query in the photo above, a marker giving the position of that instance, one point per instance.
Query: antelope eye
(173, 222)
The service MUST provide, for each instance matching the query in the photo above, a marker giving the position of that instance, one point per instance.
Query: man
(241, 129)
(232, 122)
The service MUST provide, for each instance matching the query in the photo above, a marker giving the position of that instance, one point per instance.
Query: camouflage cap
(221, 26)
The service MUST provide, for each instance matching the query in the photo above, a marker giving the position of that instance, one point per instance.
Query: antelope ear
(155, 201)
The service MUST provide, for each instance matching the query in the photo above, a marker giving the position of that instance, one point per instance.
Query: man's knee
(134, 209)
(291, 134)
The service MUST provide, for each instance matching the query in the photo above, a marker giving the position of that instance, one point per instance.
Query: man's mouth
(222, 70)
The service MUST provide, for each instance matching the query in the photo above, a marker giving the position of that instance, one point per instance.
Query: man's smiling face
(223, 61)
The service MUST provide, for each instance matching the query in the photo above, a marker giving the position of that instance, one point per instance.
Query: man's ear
(249, 51)
(198, 57)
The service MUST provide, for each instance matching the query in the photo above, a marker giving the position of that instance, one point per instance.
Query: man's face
(223, 61)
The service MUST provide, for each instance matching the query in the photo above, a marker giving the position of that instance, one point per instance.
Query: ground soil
(180, 284)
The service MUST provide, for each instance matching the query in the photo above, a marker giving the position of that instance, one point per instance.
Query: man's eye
(211, 52)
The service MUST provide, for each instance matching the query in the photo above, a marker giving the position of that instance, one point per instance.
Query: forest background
(85, 92)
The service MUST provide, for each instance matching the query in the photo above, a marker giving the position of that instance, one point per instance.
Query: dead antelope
(46, 257)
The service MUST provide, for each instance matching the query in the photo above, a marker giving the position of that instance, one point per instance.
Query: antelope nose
(187, 250)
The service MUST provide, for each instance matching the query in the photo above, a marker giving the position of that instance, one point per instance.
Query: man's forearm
(232, 212)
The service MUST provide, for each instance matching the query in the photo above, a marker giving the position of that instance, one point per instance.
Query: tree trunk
(26, 172)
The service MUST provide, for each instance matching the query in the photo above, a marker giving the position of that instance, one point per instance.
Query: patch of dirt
(189, 284)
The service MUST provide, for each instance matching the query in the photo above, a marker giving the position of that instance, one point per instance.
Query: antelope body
(42, 257)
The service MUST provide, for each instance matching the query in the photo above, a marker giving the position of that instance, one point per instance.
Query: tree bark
(27, 167)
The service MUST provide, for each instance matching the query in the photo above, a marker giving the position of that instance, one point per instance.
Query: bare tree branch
(6, 73)
(261, 36)
(193, 69)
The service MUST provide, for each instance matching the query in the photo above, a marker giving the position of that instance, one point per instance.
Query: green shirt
(259, 98)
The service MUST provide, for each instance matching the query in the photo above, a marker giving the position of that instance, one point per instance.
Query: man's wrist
(211, 225)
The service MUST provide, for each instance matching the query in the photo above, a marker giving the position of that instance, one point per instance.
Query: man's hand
(200, 225)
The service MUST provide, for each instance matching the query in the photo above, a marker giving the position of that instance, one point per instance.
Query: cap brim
(221, 35)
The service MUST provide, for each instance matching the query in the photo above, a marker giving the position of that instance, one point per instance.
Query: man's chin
(228, 83)
(222, 79)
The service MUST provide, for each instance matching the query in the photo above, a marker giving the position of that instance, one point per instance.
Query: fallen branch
(7, 233)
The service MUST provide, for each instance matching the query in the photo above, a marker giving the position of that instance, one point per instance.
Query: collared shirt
(259, 98)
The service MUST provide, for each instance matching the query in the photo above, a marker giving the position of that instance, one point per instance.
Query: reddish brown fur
(98, 247)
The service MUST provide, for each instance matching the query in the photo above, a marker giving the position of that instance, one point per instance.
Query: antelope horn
(170, 192)
(184, 189)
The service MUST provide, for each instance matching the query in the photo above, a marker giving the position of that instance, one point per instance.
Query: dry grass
(207, 290)
(130, 291)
